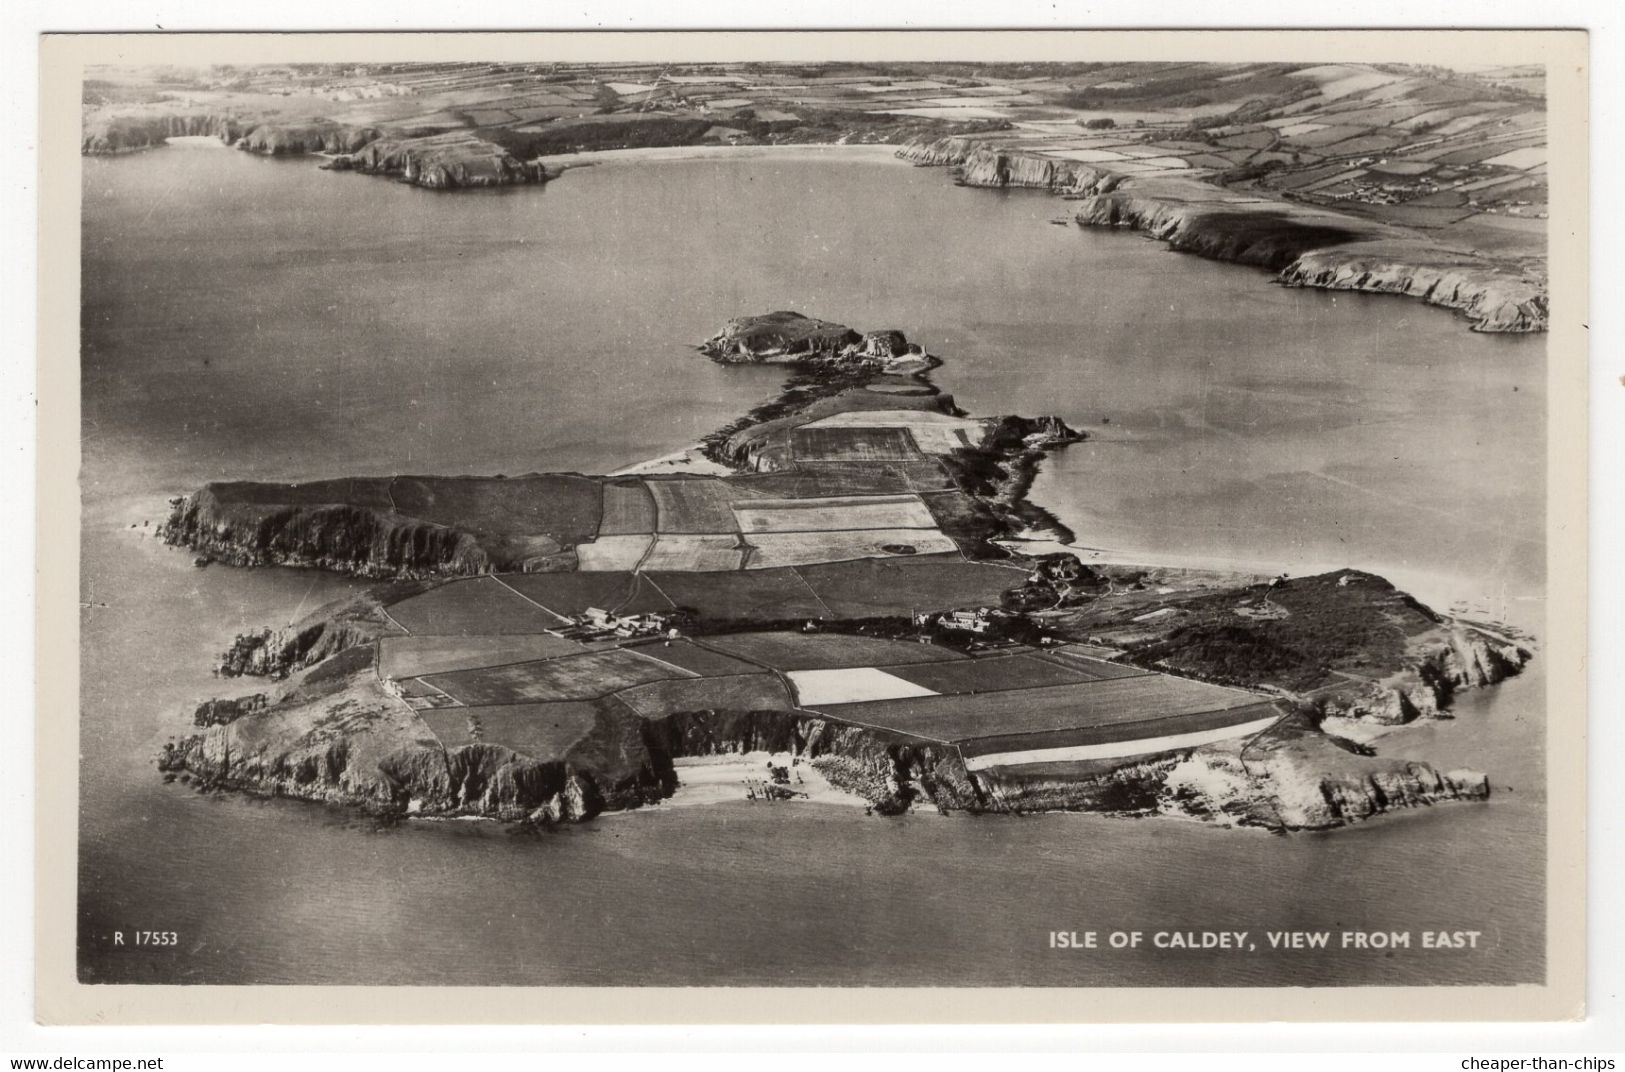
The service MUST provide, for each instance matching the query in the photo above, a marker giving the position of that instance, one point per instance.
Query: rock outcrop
(780, 337)
(344, 537)
(454, 160)
(1304, 246)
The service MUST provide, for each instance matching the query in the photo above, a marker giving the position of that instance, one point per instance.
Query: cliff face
(1306, 247)
(442, 162)
(1294, 778)
(1455, 657)
(337, 735)
(348, 538)
(319, 136)
(781, 336)
(122, 134)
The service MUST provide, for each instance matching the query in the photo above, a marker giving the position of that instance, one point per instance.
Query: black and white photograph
(684, 514)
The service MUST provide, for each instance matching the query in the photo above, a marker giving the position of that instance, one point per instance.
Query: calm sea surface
(254, 318)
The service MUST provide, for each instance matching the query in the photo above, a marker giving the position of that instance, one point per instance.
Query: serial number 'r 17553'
(147, 938)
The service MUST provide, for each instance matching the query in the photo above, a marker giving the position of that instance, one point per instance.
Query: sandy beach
(725, 779)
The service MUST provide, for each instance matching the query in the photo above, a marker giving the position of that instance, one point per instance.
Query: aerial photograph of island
(813, 524)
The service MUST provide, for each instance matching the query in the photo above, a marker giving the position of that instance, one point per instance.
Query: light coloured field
(1520, 158)
(695, 553)
(414, 656)
(934, 433)
(804, 548)
(613, 553)
(822, 515)
(852, 685)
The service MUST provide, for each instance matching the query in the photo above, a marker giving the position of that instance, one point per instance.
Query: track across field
(687, 655)
(695, 505)
(613, 553)
(415, 656)
(480, 606)
(749, 595)
(695, 554)
(572, 593)
(540, 730)
(571, 677)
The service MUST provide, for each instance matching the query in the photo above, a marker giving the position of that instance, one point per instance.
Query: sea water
(251, 318)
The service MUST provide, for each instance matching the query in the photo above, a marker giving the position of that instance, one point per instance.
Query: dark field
(749, 595)
(559, 505)
(853, 445)
(827, 651)
(754, 692)
(989, 674)
(1094, 669)
(687, 655)
(697, 506)
(573, 593)
(628, 509)
(481, 606)
(1123, 702)
(541, 730)
(893, 586)
(575, 677)
(414, 656)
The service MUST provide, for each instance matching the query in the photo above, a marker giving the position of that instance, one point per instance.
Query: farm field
(415, 656)
(541, 730)
(1096, 668)
(1137, 736)
(613, 553)
(812, 444)
(1091, 705)
(990, 674)
(798, 548)
(855, 684)
(849, 478)
(561, 505)
(480, 606)
(628, 509)
(571, 677)
(814, 515)
(695, 658)
(572, 593)
(694, 506)
(743, 692)
(748, 595)
(901, 584)
(827, 651)
(695, 553)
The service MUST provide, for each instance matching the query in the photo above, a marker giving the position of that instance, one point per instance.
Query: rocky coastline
(1303, 246)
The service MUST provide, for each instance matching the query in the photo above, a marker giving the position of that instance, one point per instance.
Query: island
(845, 593)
